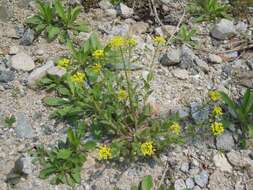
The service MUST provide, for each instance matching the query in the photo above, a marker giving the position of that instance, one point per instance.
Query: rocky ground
(184, 75)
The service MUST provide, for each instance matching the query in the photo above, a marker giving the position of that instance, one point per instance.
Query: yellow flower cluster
(119, 42)
(131, 42)
(98, 54)
(175, 128)
(78, 77)
(214, 96)
(63, 63)
(217, 128)
(159, 40)
(217, 111)
(105, 152)
(96, 68)
(122, 95)
(147, 148)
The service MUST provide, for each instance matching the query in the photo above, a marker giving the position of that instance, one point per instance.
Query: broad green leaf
(34, 20)
(45, 173)
(72, 138)
(250, 128)
(90, 145)
(52, 32)
(60, 10)
(76, 175)
(54, 101)
(134, 187)
(74, 13)
(64, 154)
(80, 27)
(147, 183)
(245, 100)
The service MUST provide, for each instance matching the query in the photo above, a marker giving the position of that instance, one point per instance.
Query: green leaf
(74, 13)
(64, 154)
(90, 145)
(34, 20)
(250, 127)
(76, 175)
(147, 183)
(72, 138)
(54, 101)
(60, 10)
(134, 187)
(52, 32)
(80, 27)
(45, 173)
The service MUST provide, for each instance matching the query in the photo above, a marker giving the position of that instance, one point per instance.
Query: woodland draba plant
(56, 21)
(117, 107)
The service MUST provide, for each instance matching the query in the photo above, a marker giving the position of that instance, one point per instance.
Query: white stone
(179, 184)
(23, 62)
(39, 73)
(125, 11)
(221, 163)
(13, 50)
(56, 71)
(225, 29)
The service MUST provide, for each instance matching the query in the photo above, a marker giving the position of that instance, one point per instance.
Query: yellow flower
(217, 128)
(117, 42)
(105, 152)
(96, 68)
(175, 128)
(217, 111)
(214, 95)
(78, 77)
(147, 148)
(98, 54)
(159, 40)
(63, 63)
(131, 42)
(122, 94)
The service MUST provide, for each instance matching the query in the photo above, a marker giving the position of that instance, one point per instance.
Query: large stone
(5, 13)
(138, 28)
(179, 184)
(218, 181)
(23, 62)
(199, 113)
(190, 61)
(6, 76)
(27, 38)
(221, 163)
(23, 165)
(189, 183)
(105, 4)
(202, 178)
(23, 126)
(214, 59)
(124, 11)
(171, 58)
(39, 73)
(56, 71)
(225, 141)
(225, 29)
(239, 159)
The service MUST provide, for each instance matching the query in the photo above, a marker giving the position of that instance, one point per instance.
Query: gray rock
(214, 59)
(218, 181)
(199, 113)
(171, 58)
(27, 38)
(23, 126)
(190, 61)
(185, 167)
(112, 13)
(105, 4)
(189, 183)
(39, 73)
(23, 165)
(239, 159)
(124, 11)
(241, 27)
(225, 29)
(56, 71)
(221, 163)
(138, 28)
(202, 179)
(179, 184)
(6, 76)
(20, 30)
(225, 141)
(196, 188)
(23, 62)
(181, 74)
